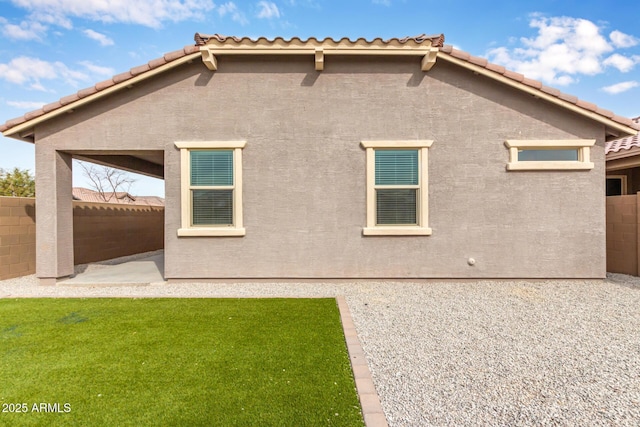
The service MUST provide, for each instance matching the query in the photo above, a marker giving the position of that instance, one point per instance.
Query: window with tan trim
(397, 187)
(211, 188)
(571, 154)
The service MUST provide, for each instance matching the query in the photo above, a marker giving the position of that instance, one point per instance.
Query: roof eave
(615, 126)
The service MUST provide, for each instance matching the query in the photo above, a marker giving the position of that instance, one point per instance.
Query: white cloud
(268, 10)
(623, 40)
(97, 69)
(622, 63)
(230, 8)
(147, 13)
(27, 30)
(29, 71)
(52, 18)
(382, 2)
(620, 87)
(563, 49)
(99, 37)
(305, 3)
(26, 105)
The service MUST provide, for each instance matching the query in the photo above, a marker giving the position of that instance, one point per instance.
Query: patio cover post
(54, 215)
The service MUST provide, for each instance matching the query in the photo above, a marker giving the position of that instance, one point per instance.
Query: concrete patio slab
(139, 271)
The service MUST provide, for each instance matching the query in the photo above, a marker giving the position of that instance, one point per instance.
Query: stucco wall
(304, 169)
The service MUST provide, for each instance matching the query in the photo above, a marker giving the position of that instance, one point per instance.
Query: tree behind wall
(17, 183)
(107, 181)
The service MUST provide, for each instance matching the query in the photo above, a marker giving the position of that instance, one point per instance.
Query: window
(549, 155)
(397, 191)
(616, 185)
(211, 188)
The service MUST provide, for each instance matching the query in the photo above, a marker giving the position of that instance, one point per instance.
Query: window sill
(532, 166)
(210, 231)
(396, 231)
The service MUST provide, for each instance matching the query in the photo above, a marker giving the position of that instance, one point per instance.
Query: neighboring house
(326, 159)
(122, 197)
(623, 165)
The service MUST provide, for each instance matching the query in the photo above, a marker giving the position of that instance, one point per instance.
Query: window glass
(396, 206)
(396, 167)
(212, 207)
(212, 168)
(538, 155)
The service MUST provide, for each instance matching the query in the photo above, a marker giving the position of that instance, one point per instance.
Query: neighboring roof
(22, 127)
(623, 144)
(121, 197)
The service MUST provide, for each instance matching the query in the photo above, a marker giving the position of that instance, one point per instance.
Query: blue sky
(53, 48)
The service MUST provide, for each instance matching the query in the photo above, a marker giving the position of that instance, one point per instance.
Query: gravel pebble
(457, 353)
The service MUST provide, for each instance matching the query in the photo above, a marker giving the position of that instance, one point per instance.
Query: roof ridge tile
(139, 69)
(100, 86)
(82, 93)
(495, 68)
(51, 106)
(158, 62)
(514, 76)
(118, 78)
(533, 83)
(33, 114)
(550, 90)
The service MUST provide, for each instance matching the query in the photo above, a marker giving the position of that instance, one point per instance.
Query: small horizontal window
(552, 155)
(549, 154)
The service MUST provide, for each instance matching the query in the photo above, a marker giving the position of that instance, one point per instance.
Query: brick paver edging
(369, 401)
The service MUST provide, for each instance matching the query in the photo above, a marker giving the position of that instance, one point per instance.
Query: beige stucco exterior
(304, 170)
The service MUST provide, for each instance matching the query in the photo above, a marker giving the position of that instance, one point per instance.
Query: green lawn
(182, 362)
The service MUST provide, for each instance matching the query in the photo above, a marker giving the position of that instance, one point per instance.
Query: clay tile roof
(623, 143)
(533, 83)
(437, 40)
(495, 67)
(202, 39)
(139, 70)
(88, 91)
(32, 114)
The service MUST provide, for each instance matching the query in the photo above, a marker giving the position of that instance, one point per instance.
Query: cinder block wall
(622, 234)
(104, 231)
(17, 236)
(100, 231)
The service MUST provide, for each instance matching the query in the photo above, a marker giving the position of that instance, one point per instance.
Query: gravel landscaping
(469, 352)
